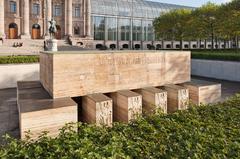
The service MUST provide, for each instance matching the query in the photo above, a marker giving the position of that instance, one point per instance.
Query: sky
(192, 3)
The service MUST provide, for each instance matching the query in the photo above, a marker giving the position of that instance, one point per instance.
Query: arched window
(125, 46)
(112, 46)
(99, 46)
(137, 46)
(158, 46)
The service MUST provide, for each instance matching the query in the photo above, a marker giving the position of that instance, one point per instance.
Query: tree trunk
(224, 45)
(200, 41)
(205, 45)
(212, 38)
(181, 43)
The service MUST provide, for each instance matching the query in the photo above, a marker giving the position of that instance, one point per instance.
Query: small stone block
(203, 92)
(153, 99)
(127, 105)
(177, 96)
(97, 109)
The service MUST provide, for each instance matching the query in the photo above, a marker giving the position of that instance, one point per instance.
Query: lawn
(18, 59)
(208, 131)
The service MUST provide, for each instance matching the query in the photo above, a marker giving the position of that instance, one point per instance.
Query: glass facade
(126, 20)
(99, 27)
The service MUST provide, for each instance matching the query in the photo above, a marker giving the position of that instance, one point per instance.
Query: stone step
(38, 112)
(203, 92)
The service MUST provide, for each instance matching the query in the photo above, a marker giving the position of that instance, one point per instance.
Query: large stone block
(127, 105)
(38, 112)
(153, 99)
(97, 109)
(74, 74)
(178, 97)
(203, 92)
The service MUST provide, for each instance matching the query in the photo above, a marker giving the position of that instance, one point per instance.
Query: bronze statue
(52, 28)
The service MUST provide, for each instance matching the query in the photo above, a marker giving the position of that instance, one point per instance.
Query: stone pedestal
(127, 105)
(178, 98)
(52, 45)
(154, 99)
(97, 109)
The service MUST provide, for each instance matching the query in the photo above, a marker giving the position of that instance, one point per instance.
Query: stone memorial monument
(52, 42)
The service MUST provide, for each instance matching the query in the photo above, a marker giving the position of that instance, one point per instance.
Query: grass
(19, 59)
(222, 55)
(208, 131)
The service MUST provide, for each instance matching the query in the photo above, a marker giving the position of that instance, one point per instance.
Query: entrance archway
(58, 33)
(13, 31)
(137, 46)
(36, 31)
(112, 46)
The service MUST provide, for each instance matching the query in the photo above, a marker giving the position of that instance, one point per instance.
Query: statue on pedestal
(52, 28)
(52, 42)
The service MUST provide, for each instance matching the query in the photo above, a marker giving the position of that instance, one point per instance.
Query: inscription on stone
(134, 107)
(104, 113)
(161, 101)
(183, 99)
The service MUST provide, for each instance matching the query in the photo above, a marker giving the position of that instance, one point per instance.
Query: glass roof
(141, 8)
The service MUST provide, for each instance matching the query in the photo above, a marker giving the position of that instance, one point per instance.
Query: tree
(205, 18)
(173, 24)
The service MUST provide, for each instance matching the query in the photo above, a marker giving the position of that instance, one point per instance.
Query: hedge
(208, 131)
(216, 55)
(19, 59)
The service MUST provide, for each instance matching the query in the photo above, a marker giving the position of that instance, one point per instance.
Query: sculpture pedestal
(52, 45)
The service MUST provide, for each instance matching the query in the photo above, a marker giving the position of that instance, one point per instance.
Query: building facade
(29, 18)
(112, 23)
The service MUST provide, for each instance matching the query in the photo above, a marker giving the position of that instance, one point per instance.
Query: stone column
(65, 17)
(49, 14)
(2, 31)
(69, 19)
(26, 15)
(88, 19)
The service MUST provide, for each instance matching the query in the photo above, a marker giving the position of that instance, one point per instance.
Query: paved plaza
(9, 122)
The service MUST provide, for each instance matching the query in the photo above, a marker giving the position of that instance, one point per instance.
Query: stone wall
(225, 70)
(10, 74)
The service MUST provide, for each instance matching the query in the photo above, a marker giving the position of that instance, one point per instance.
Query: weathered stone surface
(38, 112)
(154, 99)
(203, 92)
(127, 105)
(76, 74)
(97, 109)
(178, 97)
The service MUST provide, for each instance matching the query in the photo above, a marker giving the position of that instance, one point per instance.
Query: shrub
(18, 59)
(209, 131)
(216, 55)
